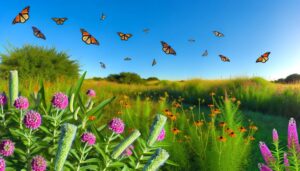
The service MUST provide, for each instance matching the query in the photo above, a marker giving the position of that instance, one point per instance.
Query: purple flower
(60, 100)
(263, 167)
(275, 135)
(3, 99)
(293, 141)
(116, 125)
(162, 135)
(88, 138)
(38, 163)
(285, 160)
(32, 120)
(21, 103)
(7, 147)
(2, 164)
(91, 93)
(266, 153)
(128, 151)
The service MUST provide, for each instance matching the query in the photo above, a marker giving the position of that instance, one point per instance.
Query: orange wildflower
(177, 105)
(233, 99)
(232, 134)
(173, 117)
(198, 123)
(251, 138)
(175, 131)
(242, 129)
(222, 139)
(228, 130)
(216, 111)
(222, 124)
(253, 127)
(91, 118)
(212, 115)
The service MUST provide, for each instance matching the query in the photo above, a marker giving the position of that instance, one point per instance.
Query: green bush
(126, 78)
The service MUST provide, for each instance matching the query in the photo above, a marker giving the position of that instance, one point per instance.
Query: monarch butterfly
(205, 53)
(224, 58)
(59, 21)
(192, 40)
(218, 34)
(103, 16)
(88, 38)
(154, 62)
(102, 65)
(146, 30)
(263, 58)
(127, 59)
(38, 33)
(23, 16)
(124, 36)
(167, 48)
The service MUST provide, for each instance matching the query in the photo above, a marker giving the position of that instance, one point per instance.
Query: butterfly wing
(22, 17)
(218, 34)
(205, 53)
(167, 48)
(59, 21)
(124, 36)
(88, 38)
(38, 33)
(103, 16)
(154, 62)
(224, 58)
(263, 58)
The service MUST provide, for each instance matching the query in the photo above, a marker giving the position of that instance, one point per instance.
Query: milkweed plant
(65, 134)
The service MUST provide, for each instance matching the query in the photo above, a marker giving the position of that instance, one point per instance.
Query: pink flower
(128, 151)
(275, 135)
(293, 141)
(3, 99)
(285, 160)
(38, 163)
(162, 135)
(88, 138)
(117, 125)
(60, 100)
(91, 93)
(7, 147)
(263, 167)
(266, 153)
(2, 164)
(21, 103)
(32, 120)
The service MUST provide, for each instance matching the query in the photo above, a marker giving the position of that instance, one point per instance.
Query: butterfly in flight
(205, 53)
(218, 34)
(59, 21)
(38, 33)
(192, 40)
(88, 38)
(124, 36)
(167, 48)
(263, 58)
(103, 16)
(224, 58)
(127, 59)
(22, 17)
(154, 62)
(146, 30)
(102, 65)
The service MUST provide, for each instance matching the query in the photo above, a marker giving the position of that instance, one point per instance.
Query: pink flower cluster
(7, 147)
(60, 100)
(88, 138)
(32, 120)
(128, 151)
(21, 103)
(116, 125)
(162, 135)
(38, 163)
(2, 164)
(91, 93)
(3, 99)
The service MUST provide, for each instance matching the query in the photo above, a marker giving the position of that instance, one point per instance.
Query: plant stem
(28, 154)
(108, 142)
(141, 158)
(107, 164)
(82, 157)
(21, 118)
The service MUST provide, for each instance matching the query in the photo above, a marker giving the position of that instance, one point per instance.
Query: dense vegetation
(293, 78)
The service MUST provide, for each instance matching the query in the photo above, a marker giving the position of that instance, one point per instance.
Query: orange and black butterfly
(263, 58)
(38, 33)
(22, 17)
(167, 48)
(224, 58)
(124, 36)
(103, 16)
(59, 21)
(88, 38)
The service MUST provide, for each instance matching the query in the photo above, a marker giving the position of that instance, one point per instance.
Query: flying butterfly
(263, 58)
(167, 48)
(88, 38)
(38, 33)
(192, 40)
(124, 36)
(127, 59)
(224, 58)
(22, 17)
(205, 53)
(103, 16)
(146, 30)
(102, 65)
(154, 62)
(218, 34)
(59, 21)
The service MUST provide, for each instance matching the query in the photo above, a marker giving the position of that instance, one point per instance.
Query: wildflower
(127, 105)
(266, 153)
(263, 167)
(233, 99)
(117, 125)
(7, 147)
(216, 111)
(198, 123)
(173, 117)
(2, 164)
(212, 94)
(253, 127)
(238, 102)
(212, 115)
(91, 93)
(292, 134)
(125, 97)
(191, 108)
(167, 112)
(177, 105)
(232, 134)
(128, 151)
(3, 99)
(251, 138)
(119, 113)
(88, 138)
(222, 124)
(38, 163)
(210, 105)
(162, 135)
(60, 100)
(92, 118)
(21, 103)
(121, 102)
(228, 130)
(285, 160)
(175, 131)
(32, 120)
(242, 129)
(222, 139)
(275, 135)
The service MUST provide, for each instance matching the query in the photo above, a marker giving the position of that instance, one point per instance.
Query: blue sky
(251, 27)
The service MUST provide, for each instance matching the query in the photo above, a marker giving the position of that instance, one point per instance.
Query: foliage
(293, 78)
(126, 78)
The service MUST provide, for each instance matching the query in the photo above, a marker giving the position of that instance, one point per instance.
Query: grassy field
(253, 102)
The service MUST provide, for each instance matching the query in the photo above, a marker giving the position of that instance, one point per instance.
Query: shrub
(126, 78)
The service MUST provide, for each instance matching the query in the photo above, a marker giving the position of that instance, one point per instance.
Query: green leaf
(172, 163)
(91, 160)
(99, 107)
(79, 84)
(42, 95)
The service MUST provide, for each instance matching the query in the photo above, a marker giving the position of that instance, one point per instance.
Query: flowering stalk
(13, 86)
(157, 160)
(277, 151)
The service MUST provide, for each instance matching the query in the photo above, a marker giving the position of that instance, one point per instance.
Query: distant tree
(294, 78)
(126, 78)
(152, 79)
(38, 62)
